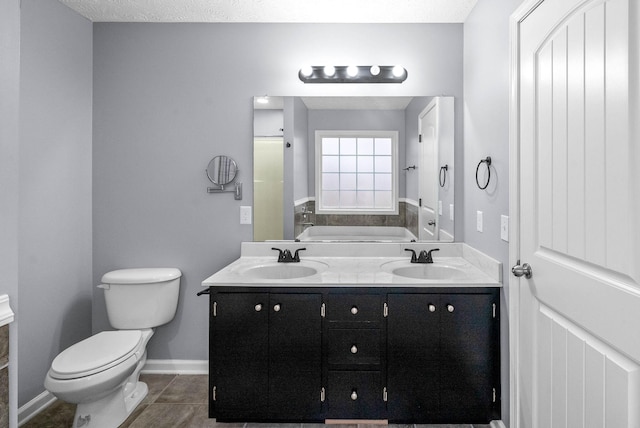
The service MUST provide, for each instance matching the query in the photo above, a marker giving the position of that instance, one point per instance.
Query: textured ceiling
(316, 11)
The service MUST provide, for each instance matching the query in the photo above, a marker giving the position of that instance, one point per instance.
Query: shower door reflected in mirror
(293, 121)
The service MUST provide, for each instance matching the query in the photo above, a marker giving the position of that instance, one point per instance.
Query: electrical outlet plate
(479, 222)
(245, 215)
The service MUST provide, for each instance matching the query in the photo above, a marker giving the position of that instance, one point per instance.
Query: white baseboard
(176, 367)
(44, 400)
(35, 406)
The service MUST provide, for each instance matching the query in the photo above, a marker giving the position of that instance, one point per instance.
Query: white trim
(497, 424)
(409, 201)
(303, 201)
(35, 406)
(176, 367)
(6, 314)
(514, 205)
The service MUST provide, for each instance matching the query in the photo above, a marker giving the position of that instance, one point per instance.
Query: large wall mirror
(354, 168)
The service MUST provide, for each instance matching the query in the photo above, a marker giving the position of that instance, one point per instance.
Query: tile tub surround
(407, 217)
(358, 264)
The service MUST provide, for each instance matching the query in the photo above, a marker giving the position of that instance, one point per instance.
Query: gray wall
(168, 97)
(55, 260)
(486, 133)
(9, 176)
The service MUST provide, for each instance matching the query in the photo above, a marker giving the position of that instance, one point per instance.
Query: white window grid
(356, 172)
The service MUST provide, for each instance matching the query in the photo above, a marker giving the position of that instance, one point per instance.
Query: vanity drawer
(354, 346)
(354, 310)
(355, 395)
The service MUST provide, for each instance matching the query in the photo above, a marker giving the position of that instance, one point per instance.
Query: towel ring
(442, 177)
(487, 160)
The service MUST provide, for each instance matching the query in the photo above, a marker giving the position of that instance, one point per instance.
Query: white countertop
(358, 265)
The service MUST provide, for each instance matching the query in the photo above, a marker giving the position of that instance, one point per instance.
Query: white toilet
(101, 373)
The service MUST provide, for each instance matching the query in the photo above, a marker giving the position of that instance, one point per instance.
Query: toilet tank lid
(141, 275)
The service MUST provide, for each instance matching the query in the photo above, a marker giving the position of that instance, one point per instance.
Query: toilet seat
(96, 354)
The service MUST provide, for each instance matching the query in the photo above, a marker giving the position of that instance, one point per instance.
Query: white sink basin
(425, 270)
(283, 270)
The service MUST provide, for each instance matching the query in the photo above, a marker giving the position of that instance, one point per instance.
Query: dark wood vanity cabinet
(412, 355)
(265, 354)
(450, 342)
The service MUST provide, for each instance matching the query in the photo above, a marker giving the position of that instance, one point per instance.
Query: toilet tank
(141, 298)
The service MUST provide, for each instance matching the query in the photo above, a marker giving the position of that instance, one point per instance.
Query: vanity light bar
(353, 74)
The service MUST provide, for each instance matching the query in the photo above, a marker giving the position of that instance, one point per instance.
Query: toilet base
(110, 411)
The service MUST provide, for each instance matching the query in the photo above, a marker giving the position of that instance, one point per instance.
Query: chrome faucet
(423, 257)
(285, 256)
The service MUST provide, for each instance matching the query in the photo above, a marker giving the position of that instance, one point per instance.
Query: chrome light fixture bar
(353, 74)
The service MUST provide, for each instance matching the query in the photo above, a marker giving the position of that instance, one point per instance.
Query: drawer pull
(450, 308)
(354, 395)
(258, 307)
(354, 310)
(354, 349)
(432, 308)
(276, 307)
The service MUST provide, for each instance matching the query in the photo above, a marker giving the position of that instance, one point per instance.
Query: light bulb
(398, 71)
(352, 71)
(329, 70)
(375, 70)
(306, 71)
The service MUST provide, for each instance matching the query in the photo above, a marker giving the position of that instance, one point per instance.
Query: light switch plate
(451, 213)
(504, 228)
(245, 215)
(439, 207)
(479, 221)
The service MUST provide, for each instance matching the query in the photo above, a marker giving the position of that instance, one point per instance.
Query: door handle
(524, 270)
(431, 223)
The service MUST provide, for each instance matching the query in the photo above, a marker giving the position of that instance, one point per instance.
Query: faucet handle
(414, 258)
(281, 254)
(429, 257)
(296, 257)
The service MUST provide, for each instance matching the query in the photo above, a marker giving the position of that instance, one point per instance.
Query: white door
(576, 190)
(428, 172)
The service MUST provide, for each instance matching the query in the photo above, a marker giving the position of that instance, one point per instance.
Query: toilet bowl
(101, 373)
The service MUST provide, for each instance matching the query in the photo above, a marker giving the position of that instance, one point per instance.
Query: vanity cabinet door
(295, 356)
(413, 349)
(443, 358)
(240, 352)
(469, 344)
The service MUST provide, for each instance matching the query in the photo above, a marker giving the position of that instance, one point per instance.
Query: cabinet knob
(432, 308)
(354, 395)
(258, 307)
(354, 310)
(354, 349)
(276, 307)
(450, 308)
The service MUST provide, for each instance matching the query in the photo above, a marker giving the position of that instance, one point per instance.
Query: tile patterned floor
(180, 401)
